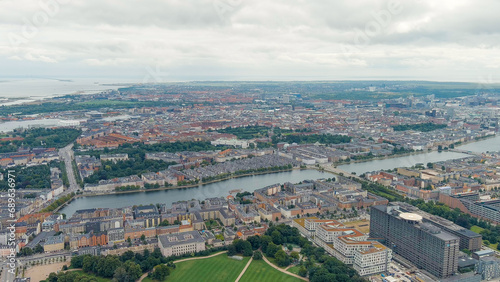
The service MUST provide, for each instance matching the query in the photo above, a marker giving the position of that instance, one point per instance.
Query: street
(66, 154)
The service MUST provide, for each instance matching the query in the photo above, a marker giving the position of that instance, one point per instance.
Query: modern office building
(424, 244)
(468, 239)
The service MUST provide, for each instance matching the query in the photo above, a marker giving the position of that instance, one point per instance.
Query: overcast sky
(454, 40)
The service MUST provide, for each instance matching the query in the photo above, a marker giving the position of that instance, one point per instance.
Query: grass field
(260, 271)
(476, 229)
(218, 268)
(294, 269)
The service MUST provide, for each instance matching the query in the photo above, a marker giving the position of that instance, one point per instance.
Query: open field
(218, 268)
(260, 271)
(294, 269)
(476, 229)
(361, 225)
(41, 272)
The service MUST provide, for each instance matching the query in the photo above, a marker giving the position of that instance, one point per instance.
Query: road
(66, 154)
(6, 276)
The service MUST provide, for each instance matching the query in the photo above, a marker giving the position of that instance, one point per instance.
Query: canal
(219, 189)
(250, 183)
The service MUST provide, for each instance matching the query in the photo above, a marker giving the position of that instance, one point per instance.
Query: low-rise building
(183, 243)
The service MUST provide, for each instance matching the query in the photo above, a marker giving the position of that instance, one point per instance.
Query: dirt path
(186, 259)
(41, 272)
(282, 270)
(244, 269)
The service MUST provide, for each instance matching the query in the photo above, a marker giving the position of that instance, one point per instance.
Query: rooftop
(181, 239)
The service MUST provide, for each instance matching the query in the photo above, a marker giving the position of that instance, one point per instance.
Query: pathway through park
(244, 269)
(282, 270)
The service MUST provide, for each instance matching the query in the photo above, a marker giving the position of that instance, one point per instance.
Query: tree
(134, 270)
(272, 249)
(164, 223)
(294, 255)
(277, 219)
(282, 258)
(88, 264)
(38, 249)
(302, 271)
(77, 261)
(143, 238)
(231, 250)
(247, 248)
(121, 275)
(277, 237)
(52, 277)
(107, 266)
(257, 255)
(255, 241)
(264, 242)
(160, 272)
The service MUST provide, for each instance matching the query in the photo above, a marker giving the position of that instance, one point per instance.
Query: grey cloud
(263, 38)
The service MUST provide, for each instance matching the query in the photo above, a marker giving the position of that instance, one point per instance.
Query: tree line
(136, 165)
(423, 127)
(311, 138)
(171, 147)
(40, 137)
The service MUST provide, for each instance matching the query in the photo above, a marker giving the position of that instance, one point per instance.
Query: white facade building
(182, 243)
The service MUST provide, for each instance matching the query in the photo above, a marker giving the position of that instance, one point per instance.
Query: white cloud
(444, 40)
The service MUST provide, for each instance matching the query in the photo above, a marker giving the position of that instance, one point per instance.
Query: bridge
(466, 152)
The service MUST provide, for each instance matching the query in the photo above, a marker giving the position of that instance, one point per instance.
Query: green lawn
(294, 269)
(218, 268)
(476, 229)
(260, 271)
